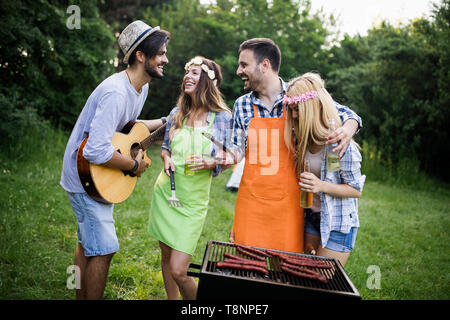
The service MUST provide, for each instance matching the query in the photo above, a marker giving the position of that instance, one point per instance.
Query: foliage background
(396, 78)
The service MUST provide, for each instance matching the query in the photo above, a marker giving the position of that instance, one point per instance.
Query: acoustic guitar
(109, 185)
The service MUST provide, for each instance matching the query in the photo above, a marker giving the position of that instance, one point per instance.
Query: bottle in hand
(306, 198)
(190, 152)
(333, 161)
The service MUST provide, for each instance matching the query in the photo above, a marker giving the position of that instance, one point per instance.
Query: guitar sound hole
(134, 149)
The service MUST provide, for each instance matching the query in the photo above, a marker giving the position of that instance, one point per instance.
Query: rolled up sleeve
(170, 122)
(99, 148)
(239, 129)
(346, 113)
(221, 132)
(351, 168)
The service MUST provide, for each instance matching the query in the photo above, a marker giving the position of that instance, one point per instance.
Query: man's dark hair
(264, 48)
(150, 45)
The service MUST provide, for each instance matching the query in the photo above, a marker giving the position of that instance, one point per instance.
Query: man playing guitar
(114, 103)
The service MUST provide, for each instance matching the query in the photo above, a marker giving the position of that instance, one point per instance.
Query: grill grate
(337, 281)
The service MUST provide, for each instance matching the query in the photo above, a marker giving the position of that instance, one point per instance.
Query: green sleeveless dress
(180, 228)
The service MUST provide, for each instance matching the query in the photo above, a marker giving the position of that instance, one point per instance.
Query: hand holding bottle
(306, 198)
(342, 136)
(196, 163)
(333, 161)
(310, 183)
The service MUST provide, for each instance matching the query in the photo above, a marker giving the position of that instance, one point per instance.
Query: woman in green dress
(192, 157)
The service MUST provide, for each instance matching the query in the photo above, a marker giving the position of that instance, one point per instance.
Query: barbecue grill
(222, 283)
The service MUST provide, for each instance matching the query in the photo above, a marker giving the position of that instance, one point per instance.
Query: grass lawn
(404, 233)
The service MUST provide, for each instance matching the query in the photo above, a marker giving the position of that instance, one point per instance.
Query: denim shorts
(338, 241)
(96, 230)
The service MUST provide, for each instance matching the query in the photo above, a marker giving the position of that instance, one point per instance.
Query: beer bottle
(333, 161)
(190, 152)
(306, 198)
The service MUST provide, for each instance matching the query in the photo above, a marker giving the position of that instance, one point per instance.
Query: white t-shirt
(113, 104)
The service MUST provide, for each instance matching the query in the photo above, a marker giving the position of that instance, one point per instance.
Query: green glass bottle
(306, 198)
(189, 153)
(333, 161)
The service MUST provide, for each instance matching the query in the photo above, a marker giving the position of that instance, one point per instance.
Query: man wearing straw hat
(116, 101)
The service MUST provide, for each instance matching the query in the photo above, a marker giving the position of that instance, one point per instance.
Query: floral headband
(300, 98)
(199, 62)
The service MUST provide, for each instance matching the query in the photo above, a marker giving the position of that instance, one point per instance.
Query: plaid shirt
(220, 131)
(243, 112)
(341, 214)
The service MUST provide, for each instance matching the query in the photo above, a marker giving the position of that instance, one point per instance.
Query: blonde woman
(185, 151)
(332, 223)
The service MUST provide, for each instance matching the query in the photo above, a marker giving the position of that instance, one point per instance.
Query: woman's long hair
(207, 96)
(312, 125)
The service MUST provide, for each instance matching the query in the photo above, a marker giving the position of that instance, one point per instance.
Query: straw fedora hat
(132, 36)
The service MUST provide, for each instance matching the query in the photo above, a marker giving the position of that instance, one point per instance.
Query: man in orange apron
(268, 212)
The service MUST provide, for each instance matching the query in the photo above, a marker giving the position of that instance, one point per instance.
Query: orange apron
(268, 212)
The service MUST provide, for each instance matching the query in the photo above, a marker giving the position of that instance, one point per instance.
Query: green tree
(216, 31)
(397, 79)
(48, 68)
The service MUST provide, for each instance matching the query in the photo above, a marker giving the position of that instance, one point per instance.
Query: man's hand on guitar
(143, 165)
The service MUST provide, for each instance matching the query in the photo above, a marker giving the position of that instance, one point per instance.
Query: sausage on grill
(251, 249)
(301, 261)
(261, 264)
(289, 256)
(250, 254)
(297, 268)
(312, 264)
(232, 256)
(320, 277)
(241, 266)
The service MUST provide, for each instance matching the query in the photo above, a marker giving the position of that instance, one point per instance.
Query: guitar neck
(156, 135)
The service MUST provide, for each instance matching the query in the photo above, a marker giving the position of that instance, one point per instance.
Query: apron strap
(283, 115)
(255, 111)
(211, 120)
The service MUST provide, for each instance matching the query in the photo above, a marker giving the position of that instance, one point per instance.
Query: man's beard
(253, 82)
(152, 72)
(248, 88)
(252, 85)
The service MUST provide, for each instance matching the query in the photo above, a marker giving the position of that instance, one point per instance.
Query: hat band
(138, 38)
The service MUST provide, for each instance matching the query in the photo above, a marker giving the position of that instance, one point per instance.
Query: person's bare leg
(95, 276)
(81, 261)
(172, 291)
(313, 240)
(341, 256)
(179, 262)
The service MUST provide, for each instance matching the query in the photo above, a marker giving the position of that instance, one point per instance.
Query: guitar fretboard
(156, 135)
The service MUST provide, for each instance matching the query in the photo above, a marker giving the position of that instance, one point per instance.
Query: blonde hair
(207, 97)
(312, 125)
